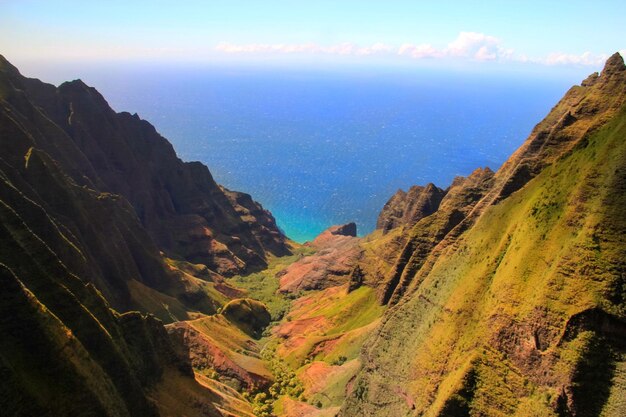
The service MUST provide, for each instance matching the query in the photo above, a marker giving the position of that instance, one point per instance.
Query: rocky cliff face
(459, 201)
(63, 350)
(184, 211)
(336, 256)
(407, 208)
(94, 206)
(509, 297)
(115, 189)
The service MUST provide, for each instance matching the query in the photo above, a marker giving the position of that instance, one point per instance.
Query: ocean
(319, 148)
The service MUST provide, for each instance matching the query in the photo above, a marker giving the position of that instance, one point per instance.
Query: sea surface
(319, 148)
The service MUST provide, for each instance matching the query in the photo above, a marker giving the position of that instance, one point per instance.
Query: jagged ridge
(489, 305)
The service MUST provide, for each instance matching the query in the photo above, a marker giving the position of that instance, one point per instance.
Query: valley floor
(305, 358)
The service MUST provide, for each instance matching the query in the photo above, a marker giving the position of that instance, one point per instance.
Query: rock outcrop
(407, 208)
(251, 316)
(337, 253)
(217, 348)
(458, 202)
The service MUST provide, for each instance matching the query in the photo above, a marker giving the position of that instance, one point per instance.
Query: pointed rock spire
(614, 65)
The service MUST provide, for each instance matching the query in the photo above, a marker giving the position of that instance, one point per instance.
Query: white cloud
(587, 58)
(266, 47)
(478, 46)
(472, 46)
(424, 50)
(340, 49)
(377, 48)
(485, 54)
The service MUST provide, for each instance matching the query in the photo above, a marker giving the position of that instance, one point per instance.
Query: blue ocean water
(323, 148)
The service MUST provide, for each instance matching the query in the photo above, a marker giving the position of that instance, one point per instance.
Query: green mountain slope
(522, 310)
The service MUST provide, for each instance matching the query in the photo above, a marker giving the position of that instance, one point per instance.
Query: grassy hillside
(525, 314)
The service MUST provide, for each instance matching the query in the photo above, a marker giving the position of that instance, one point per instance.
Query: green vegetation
(285, 384)
(346, 317)
(549, 251)
(249, 315)
(263, 286)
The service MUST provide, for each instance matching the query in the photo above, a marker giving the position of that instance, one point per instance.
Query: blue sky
(548, 34)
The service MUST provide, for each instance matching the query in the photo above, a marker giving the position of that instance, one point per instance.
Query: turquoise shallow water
(325, 148)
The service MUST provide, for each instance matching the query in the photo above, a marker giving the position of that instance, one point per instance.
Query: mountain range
(135, 285)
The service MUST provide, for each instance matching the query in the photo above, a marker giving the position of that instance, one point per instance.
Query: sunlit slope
(524, 313)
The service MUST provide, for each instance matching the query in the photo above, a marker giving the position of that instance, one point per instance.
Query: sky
(543, 34)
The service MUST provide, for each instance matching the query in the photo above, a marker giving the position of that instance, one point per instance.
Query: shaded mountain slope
(89, 201)
(96, 235)
(63, 350)
(184, 211)
(81, 164)
(518, 309)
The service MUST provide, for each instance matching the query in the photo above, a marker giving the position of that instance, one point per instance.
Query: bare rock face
(348, 229)
(337, 255)
(206, 353)
(179, 204)
(614, 66)
(330, 235)
(407, 208)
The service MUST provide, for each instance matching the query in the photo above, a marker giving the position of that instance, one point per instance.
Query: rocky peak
(7, 67)
(407, 208)
(348, 229)
(590, 80)
(481, 173)
(583, 109)
(337, 233)
(614, 65)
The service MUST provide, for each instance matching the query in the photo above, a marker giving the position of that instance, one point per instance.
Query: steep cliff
(63, 350)
(98, 215)
(515, 304)
(407, 208)
(184, 211)
(117, 191)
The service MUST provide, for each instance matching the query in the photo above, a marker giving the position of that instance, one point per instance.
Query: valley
(135, 285)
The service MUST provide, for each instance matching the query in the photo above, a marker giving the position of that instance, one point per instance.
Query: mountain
(100, 218)
(116, 190)
(179, 204)
(134, 285)
(510, 297)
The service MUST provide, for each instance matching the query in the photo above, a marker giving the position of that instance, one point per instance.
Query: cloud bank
(472, 46)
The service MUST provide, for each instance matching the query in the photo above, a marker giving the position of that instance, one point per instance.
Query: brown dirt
(204, 353)
(316, 376)
(331, 265)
